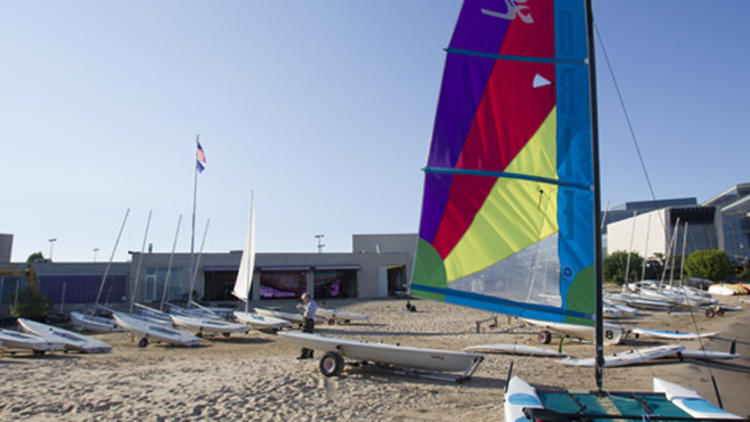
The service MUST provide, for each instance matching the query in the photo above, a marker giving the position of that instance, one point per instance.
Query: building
(6, 247)
(378, 266)
(722, 222)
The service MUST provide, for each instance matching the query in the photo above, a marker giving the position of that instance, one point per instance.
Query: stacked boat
(69, 340)
(15, 341)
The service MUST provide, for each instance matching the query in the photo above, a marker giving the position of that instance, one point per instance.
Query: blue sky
(324, 109)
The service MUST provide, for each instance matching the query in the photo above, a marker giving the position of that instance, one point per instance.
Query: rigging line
(627, 118)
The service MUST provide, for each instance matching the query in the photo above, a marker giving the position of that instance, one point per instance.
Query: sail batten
(509, 185)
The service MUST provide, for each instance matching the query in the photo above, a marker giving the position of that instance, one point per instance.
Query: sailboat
(244, 282)
(511, 204)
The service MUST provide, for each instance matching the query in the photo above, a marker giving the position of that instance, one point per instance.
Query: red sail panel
(509, 113)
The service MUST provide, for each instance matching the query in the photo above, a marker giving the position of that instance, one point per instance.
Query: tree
(31, 304)
(613, 266)
(36, 257)
(711, 264)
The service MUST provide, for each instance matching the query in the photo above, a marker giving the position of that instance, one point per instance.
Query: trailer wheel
(709, 313)
(143, 342)
(332, 363)
(545, 337)
(226, 334)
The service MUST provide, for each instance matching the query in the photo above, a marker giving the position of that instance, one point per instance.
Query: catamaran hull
(521, 399)
(209, 325)
(411, 357)
(93, 323)
(148, 330)
(690, 401)
(261, 322)
(70, 340)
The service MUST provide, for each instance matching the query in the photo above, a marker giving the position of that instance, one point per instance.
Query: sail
(247, 264)
(508, 207)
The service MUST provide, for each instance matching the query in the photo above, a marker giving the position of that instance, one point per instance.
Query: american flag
(200, 154)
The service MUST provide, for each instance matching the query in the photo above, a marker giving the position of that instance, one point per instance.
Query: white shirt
(310, 309)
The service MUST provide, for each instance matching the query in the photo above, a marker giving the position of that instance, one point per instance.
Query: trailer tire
(332, 363)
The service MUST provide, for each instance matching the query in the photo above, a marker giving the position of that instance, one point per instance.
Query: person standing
(308, 312)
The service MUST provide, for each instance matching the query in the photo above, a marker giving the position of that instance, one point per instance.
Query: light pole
(320, 245)
(95, 251)
(51, 242)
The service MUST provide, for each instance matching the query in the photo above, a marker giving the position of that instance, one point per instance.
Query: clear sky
(324, 109)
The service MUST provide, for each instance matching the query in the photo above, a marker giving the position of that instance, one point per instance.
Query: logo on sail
(515, 8)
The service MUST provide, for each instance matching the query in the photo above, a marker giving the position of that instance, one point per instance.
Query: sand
(256, 376)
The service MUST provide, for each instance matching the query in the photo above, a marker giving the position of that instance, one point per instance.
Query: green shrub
(711, 264)
(31, 304)
(613, 267)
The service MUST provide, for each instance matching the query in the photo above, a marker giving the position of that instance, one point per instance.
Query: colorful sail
(508, 208)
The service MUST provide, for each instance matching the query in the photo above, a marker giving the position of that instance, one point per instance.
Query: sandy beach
(257, 377)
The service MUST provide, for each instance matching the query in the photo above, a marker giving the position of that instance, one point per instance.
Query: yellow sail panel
(517, 213)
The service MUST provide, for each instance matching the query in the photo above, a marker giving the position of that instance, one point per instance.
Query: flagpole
(192, 225)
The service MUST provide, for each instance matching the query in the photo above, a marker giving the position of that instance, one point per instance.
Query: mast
(169, 268)
(140, 261)
(598, 326)
(192, 226)
(250, 247)
(109, 264)
(197, 265)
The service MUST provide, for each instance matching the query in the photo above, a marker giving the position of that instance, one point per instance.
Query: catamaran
(511, 203)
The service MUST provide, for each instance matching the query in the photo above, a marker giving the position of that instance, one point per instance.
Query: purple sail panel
(436, 190)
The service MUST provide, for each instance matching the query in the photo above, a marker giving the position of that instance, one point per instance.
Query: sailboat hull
(85, 322)
(209, 325)
(70, 340)
(412, 357)
(146, 329)
(261, 322)
(14, 340)
(613, 334)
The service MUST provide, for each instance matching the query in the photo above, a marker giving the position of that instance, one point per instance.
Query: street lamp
(51, 242)
(320, 245)
(95, 251)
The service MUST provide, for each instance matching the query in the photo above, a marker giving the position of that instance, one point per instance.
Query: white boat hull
(631, 357)
(209, 325)
(411, 357)
(97, 324)
(295, 318)
(671, 335)
(145, 329)
(516, 349)
(336, 315)
(519, 395)
(261, 322)
(613, 334)
(16, 340)
(70, 340)
(690, 401)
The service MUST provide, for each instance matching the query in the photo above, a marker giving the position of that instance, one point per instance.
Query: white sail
(247, 264)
